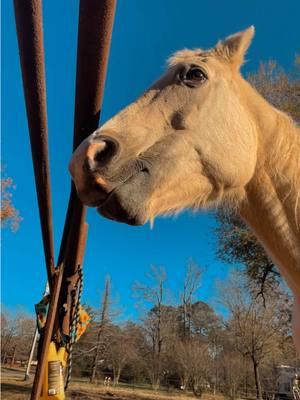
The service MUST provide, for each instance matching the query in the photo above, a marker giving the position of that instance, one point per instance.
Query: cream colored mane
(286, 153)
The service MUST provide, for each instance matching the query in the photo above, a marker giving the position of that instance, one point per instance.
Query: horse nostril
(106, 153)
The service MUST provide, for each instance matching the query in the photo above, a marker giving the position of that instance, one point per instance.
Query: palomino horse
(201, 136)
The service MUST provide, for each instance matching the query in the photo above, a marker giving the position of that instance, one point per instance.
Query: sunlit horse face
(187, 142)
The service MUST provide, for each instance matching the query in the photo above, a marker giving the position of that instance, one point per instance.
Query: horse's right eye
(193, 76)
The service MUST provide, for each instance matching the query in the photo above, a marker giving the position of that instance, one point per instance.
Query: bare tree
(190, 286)
(194, 364)
(234, 373)
(254, 328)
(136, 369)
(120, 350)
(103, 322)
(8, 331)
(279, 87)
(16, 335)
(157, 322)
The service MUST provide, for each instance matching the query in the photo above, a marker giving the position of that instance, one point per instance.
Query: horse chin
(117, 210)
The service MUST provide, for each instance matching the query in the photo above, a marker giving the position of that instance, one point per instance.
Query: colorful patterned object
(83, 322)
(41, 310)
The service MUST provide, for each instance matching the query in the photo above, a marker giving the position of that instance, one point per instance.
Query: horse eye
(194, 75)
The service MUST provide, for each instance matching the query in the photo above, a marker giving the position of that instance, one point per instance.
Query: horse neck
(272, 205)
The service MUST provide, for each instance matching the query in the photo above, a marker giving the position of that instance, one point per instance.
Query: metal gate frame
(94, 36)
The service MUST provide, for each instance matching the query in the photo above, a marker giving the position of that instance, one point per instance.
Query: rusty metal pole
(95, 29)
(94, 37)
(52, 316)
(28, 15)
(45, 339)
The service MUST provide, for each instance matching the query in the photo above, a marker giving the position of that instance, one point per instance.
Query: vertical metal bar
(28, 15)
(47, 335)
(94, 37)
(82, 245)
(95, 29)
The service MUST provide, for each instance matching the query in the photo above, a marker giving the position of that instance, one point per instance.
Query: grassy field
(14, 388)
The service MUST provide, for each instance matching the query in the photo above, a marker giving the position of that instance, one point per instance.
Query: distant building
(288, 383)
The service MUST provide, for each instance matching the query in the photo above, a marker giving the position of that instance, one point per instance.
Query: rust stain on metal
(28, 16)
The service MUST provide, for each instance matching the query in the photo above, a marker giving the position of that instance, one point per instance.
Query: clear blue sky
(145, 34)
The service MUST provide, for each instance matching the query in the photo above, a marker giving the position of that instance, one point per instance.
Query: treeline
(188, 345)
(183, 343)
(16, 337)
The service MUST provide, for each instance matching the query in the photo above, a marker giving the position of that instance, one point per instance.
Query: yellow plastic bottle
(53, 384)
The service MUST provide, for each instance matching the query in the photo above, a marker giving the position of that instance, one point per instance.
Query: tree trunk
(158, 341)
(103, 322)
(156, 383)
(4, 357)
(117, 374)
(13, 357)
(257, 380)
(184, 380)
(5, 346)
(94, 366)
(155, 379)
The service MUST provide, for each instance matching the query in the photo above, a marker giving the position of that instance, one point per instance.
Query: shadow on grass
(76, 395)
(13, 391)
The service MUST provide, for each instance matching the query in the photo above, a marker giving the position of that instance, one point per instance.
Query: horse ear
(234, 47)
